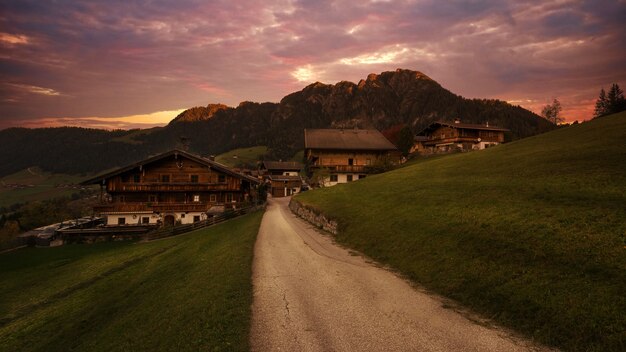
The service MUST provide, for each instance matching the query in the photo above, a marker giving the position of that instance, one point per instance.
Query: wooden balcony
(152, 207)
(436, 141)
(344, 168)
(171, 187)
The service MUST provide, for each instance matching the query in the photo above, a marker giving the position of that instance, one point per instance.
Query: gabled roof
(283, 165)
(346, 139)
(468, 126)
(213, 164)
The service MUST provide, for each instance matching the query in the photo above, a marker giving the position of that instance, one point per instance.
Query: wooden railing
(179, 229)
(459, 140)
(156, 207)
(344, 168)
(173, 187)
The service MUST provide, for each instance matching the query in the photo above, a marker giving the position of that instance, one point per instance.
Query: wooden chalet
(446, 137)
(282, 176)
(345, 155)
(170, 188)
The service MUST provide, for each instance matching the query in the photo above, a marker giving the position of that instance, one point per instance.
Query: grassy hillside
(532, 233)
(185, 293)
(241, 156)
(33, 184)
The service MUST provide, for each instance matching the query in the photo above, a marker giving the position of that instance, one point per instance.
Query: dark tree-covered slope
(380, 101)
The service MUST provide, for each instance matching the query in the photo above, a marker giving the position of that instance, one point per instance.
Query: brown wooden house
(283, 176)
(345, 155)
(445, 137)
(173, 187)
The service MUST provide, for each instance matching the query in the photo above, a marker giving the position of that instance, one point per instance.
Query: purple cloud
(118, 58)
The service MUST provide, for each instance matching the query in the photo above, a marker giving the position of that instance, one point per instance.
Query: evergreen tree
(615, 99)
(601, 105)
(610, 103)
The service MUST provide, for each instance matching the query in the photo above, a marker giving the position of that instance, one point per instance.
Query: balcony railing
(172, 187)
(153, 207)
(344, 168)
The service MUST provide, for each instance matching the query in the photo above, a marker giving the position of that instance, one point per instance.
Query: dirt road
(311, 295)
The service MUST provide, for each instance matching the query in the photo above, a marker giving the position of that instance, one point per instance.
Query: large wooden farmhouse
(170, 188)
(445, 137)
(283, 177)
(344, 155)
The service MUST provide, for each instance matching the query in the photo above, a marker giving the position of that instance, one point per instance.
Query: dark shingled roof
(214, 164)
(283, 165)
(351, 139)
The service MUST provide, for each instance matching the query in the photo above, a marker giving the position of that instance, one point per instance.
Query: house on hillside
(283, 176)
(170, 188)
(344, 155)
(444, 137)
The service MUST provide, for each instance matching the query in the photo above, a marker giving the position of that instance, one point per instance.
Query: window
(165, 178)
(229, 197)
(196, 197)
(221, 178)
(349, 178)
(145, 220)
(136, 178)
(121, 199)
(125, 178)
(121, 221)
(194, 178)
(182, 216)
(362, 176)
(213, 198)
(196, 218)
(368, 161)
(350, 161)
(152, 198)
(333, 178)
(443, 136)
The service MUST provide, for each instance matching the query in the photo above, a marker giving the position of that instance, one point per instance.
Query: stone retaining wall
(314, 217)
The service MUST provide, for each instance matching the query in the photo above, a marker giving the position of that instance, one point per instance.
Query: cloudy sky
(123, 64)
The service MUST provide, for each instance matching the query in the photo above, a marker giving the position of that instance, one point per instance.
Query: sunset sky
(128, 64)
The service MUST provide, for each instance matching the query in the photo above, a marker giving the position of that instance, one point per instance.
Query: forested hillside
(384, 101)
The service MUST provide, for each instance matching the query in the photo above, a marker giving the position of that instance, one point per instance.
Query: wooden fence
(179, 229)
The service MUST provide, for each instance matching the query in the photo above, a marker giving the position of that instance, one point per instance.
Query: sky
(137, 64)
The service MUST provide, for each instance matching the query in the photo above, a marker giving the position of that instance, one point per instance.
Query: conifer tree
(601, 105)
(610, 103)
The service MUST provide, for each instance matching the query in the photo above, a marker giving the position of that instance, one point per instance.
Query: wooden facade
(174, 187)
(283, 177)
(284, 185)
(346, 155)
(446, 137)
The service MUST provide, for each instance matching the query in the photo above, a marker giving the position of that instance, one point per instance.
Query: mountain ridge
(382, 101)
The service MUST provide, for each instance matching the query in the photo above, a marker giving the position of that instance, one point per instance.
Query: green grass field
(191, 292)
(40, 185)
(242, 155)
(532, 234)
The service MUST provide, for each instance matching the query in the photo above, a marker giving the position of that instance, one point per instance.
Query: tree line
(606, 104)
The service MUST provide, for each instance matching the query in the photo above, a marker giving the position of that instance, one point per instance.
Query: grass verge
(191, 292)
(531, 234)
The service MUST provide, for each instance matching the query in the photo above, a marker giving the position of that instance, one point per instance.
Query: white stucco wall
(135, 218)
(341, 178)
